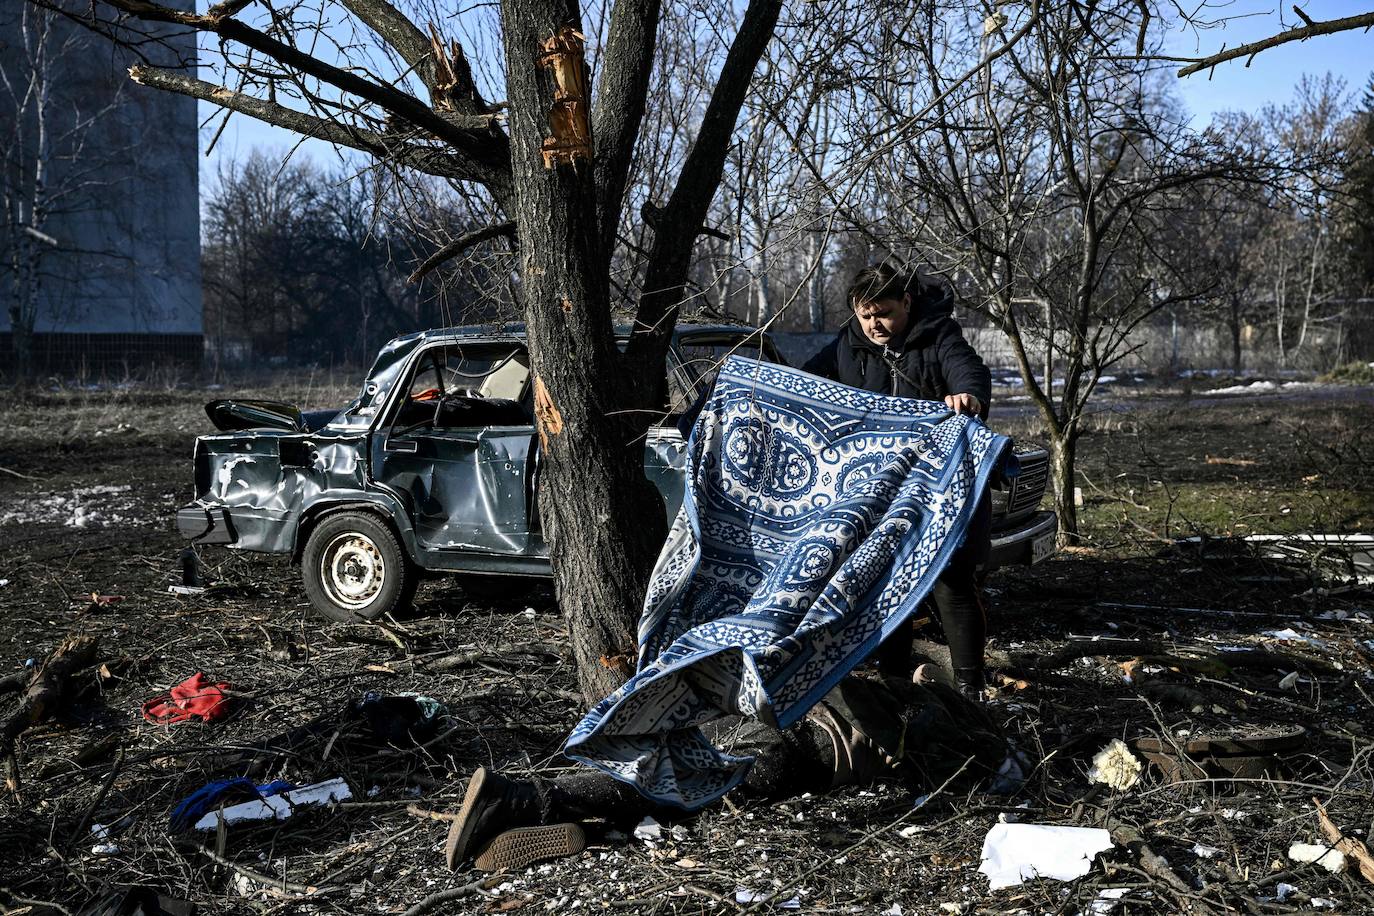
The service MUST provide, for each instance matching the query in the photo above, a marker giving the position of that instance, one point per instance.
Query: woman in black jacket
(903, 340)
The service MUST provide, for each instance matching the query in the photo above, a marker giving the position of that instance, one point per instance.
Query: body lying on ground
(866, 728)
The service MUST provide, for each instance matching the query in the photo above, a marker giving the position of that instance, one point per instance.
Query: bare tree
(558, 169)
(1052, 189)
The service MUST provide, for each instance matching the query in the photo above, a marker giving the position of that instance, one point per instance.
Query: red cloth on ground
(194, 697)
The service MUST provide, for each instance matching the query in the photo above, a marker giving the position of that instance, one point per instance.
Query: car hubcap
(352, 570)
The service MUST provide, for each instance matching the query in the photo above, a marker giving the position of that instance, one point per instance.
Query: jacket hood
(931, 305)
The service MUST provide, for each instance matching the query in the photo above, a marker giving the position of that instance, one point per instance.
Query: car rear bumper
(1025, 544)
(206, 524)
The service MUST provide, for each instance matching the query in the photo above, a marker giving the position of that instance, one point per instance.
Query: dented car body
(434, 466)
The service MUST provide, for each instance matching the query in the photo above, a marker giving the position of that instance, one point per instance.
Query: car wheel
(355, 569)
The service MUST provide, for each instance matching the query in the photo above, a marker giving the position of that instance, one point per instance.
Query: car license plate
(1043, 547)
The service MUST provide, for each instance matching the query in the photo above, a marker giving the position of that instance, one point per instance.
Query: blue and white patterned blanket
(816, 518)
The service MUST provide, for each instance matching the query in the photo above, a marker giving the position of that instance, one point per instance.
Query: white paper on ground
(648, 829)
(1015, 852)
(280, 806)
(746, 895)
(1106, 901)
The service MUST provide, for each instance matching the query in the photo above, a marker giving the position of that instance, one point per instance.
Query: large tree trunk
(603, 520)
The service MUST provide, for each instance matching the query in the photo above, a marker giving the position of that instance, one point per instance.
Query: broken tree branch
(1342, 843)
(459, 245)
(425, 159)
(277, 884)
(45, 693)
(1311, 30)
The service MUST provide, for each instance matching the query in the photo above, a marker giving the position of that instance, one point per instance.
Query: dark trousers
(958, 602)
(786, 764)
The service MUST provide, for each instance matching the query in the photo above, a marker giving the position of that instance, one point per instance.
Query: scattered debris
(193, 698)
(400, 720)
(1333, 860)
(195, 805)
(745, 895)
(278, 806)
(1107, 900)
(1348, 845)
(1115, 766)
(186, 589)
(1013, 853)
(648, 829)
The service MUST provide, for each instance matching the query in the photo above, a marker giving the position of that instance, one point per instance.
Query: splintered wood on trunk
(603, 520)
(45, 694)
(563, 57)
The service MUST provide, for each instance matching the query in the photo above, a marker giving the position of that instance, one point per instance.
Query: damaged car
(434, 468)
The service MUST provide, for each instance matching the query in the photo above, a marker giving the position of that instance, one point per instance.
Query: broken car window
(470, 385)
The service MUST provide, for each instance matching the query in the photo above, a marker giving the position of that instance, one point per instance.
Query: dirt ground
(1130, 635)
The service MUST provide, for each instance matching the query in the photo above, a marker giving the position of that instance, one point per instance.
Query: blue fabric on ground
(816, 518)
(193, 806)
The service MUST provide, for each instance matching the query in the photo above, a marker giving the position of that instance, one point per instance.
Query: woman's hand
(964, 403)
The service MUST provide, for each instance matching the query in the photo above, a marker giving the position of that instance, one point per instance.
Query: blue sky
(1273, 74)
(1270, 78)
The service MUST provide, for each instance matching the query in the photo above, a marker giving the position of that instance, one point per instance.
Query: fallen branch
(279, 884)
(43, 697)
(453, 893)
(105, 785)
(478, 656)
(1348, 845)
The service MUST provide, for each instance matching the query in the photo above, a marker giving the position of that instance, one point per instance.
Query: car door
(464, 468)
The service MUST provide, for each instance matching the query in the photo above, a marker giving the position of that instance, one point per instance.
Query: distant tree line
(304, 264)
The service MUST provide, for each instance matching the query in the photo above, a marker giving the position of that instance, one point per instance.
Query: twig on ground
(453, 893)
(280, 884)
(104, 790)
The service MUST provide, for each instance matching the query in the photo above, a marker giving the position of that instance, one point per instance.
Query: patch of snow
(84, 507)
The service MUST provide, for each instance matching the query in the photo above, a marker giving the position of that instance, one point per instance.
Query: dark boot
(492, 804)
(970, 682)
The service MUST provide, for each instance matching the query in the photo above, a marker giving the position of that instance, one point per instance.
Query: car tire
(355, 569)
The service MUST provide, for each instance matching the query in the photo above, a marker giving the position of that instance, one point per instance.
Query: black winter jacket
(932, 361)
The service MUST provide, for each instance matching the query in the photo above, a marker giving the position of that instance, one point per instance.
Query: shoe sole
(517, 848)
(460, 830)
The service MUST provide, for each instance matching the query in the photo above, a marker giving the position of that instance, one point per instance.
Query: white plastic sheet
(280, 806)
(1013, 853)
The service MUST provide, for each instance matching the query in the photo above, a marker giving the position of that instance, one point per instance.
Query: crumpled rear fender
(276, 485)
